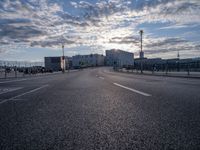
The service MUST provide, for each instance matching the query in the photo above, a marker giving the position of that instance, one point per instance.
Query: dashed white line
(13, 81)
(101, 78)
(133, 90)
(27, 79)
(14, 98)
(9, 90)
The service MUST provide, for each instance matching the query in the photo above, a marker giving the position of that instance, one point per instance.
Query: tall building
(119, 58)
(87, 60)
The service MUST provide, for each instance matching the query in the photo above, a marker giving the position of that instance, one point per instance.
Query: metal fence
(14, 69)
(163, 68)
(15, 72)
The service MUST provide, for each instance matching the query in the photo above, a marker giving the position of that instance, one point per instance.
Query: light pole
(141, 34)
(141, 52)
(63, 59)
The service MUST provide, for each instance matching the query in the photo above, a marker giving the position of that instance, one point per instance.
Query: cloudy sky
(32, 29)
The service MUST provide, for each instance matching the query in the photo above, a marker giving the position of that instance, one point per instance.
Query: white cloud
(42, 24)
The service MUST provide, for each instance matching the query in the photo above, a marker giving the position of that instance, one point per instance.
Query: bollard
(15, 72)
(188, 69)
(5, 73)
(166, 69)
(141, 68)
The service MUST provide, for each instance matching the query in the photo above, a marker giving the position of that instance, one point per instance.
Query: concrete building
(68, 63)
(53, 63)
(141, 55)
(56, 63)
(88, 60)
(115, 57)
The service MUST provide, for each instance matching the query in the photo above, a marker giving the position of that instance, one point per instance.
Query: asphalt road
(99, 109)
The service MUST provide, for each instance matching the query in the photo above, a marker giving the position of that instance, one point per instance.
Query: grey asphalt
(99, 109)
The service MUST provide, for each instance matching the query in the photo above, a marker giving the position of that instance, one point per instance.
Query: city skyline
(32, 29)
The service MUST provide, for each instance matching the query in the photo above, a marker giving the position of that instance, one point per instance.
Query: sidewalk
(168, 74)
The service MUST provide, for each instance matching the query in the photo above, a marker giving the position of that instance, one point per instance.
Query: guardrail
(162, 73)
(20, 74)
(16, 74)
(179, 70)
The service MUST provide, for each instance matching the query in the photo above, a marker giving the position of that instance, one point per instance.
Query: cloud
(179, 12)
(35, 22)
(102, 24)
(100, 9)
(125, 40)
(166, 42)
(181, 48)
(167, 46)
(54, 42)
(21, 32)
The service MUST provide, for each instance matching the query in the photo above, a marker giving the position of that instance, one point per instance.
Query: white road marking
(133, 90)
(31, 78)
(101, 78)
(6, 90)
(14, 98)
(13, 81)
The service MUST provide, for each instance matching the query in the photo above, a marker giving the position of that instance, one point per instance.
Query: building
(141, 54)
(53, 63)
(115, 57)
(56, 63)
(68, 63)
(91, 60)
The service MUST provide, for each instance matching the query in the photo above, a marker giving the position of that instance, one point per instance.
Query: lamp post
(141, 52)
(63, 59)
(141, 34)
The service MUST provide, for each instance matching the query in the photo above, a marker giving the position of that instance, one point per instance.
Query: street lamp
(141, 34)
(63, 59)
(141, 52)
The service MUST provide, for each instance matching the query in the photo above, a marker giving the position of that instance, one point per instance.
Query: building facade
(53, 63)
(91, 60)
(115, 57)
(57, 63)
(141, 55)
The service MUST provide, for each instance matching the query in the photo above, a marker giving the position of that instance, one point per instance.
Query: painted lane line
(10, 90)
(101, 78)
(28, 79)
(34, 90)
(133, 90)
(14, 98)
(13, 81)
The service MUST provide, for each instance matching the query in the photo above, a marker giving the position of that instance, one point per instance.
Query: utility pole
(141, 52)
(63, 59)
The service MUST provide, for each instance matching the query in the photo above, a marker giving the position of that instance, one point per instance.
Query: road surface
(99, 109)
